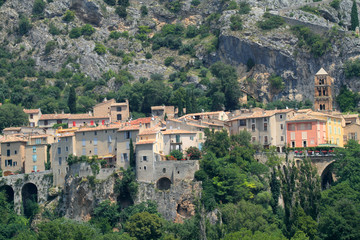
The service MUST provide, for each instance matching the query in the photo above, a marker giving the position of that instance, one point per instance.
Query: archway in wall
(29, 193)
(163, 184)
(327, 177)
(9, 193)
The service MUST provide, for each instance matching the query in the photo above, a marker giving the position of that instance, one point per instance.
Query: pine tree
(72, 100)
(354, 16)
(132, 155)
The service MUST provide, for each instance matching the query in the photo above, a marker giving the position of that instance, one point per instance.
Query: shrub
(121, 11)
(187, 49)
(244, 8)
(115, 35)
(232, 5)
(174, 6)
(2, 2)
(124, 3)
(148, 55)
(144, 11)
(276, 84)
(110, 2)
(75, 32)
(53, 30)
(191, 31)
(69, 16)
(176, 154)
(194, 153)
(50, 46)
(157, 77)
(195, 2)
(100, 49)
(87, 30)
(310, 9)
(38, 7)
(24, 26)
(270, 22)
(236, 23)
(168, 61)
(335, 4)
(126, 59)
(352, 68)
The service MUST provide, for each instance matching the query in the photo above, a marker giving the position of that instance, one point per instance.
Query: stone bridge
(22, 187)
(323, 164)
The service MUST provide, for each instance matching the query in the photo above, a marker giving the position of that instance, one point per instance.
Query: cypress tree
(354, 16)
(132, 155)
(72, 100)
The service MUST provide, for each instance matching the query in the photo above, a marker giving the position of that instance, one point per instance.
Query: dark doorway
(327, 177)
(163, 184)
(29, 193)
(9, 193)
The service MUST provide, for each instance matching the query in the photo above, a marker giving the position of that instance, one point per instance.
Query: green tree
(354, 16)
(121, 11)
(38, 7)
(177, 154)
(194, 153)
(100, 49)
(72, 100)
(144, 11)
(347, 100)
(217, 142)
(132, 155)
(110, 2)
(24, 26)
(87, 30)
(12, 116)
(69, 16)
(144, 226)
(105, 216)
(75, 32)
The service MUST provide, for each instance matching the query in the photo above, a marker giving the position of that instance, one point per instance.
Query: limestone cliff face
(174, 204)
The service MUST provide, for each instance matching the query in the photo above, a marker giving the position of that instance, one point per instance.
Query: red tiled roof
(31, 111)
(177, 131)
(99, 128)
(145, 142)
(12, 129)
(305, 117)
(149, 131)
(39, 136)
(86, 116)
(54, 116)
(129, 128)
(141, 120)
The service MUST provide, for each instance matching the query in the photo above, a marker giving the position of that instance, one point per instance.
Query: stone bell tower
(323, 94)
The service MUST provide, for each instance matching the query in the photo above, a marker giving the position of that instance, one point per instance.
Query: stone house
(161, 111)
(178, 139)
(13, 154)
(352, 131)
(219, 115)
(36, 153)
(351, 118)
(117, 111)
(80, 120)
(34, 116)
(123, 144)
(49, 120)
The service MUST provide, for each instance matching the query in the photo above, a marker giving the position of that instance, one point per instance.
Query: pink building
(305, 131)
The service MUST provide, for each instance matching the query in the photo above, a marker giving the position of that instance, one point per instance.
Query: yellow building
(334, 127)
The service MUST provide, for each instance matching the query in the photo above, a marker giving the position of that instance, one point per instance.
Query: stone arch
(327, 177)
(9, 192)
(163, 183)
(29, 193)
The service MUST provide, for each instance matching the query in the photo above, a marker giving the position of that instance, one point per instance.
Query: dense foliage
(270, 21)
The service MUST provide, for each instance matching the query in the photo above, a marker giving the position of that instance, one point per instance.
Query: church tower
(323, 93)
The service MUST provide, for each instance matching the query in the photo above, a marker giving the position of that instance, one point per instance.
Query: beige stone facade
(352, 131)
(13, 155)
(119, 112)
(34, 116)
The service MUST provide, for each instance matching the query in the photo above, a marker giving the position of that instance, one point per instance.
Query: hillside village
(110, 134)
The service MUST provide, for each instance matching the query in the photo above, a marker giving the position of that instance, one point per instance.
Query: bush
(75, 32)
(69, 16)
(191, 31)
(87, 30)
(236, 22)
(124, 3)
(144, 11)
(126, 59)
(100, 49)
(271, 22)
(110, 2)
(168, 61)
(194, 153)
(352, 68)
(2, 2)
(53, 30)
(276, 84)
(115, 35)
(176, 154)
(195, 2)
(174, 6)
(244, 8)
(232, 5)
(50, 46)
(148, 55)
(335, 4)
(121, 11)
(38, 7)
(24, 26)
(310, 9)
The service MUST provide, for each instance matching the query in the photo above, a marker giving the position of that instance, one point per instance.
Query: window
(253, 139)
(127, 135)
(292, 136)
(282, 138)
(242, 123)
(291, 127)
(293, 144)
(95, 133)
(83, 133)
(265, 139)
(265, 126)
(84, 151)
(192, 138)
(110, 149)
(118, 109)
(304, 144)
(334, 130)
(38, 141)
(177, 138)
(118, 117)
(95, 150)
(59, 121)
(109, 139)
(31, 116)
(60, 160)
(8, 163)
(200, 136)
(253, 127)
(46, 122)
(304, 135)
(339, 131)
(8, 152)
(15, 152)
(280, 116)
(15, 163)
(66, 148)
(330, 130)
(59, 150)
(265, 119)
(35, 168)
(125, 157)
(145, 168)
(34, 158)
(281, 126)
(127, 145)
(144, 158)
(66, 139)
(83, 142)
(95, 141)
(253, 120)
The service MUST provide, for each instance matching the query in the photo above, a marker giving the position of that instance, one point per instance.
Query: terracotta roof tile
(54, 116)
(86, 116)
(31, 111)
(12, 129)
(305, 117)
(177, 131)
(140, 120)
(129, 128)
(99, 128)
(145, 142)
(149, 131)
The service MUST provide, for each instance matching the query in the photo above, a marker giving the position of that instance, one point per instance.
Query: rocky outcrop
(88, 11)
(174, 204)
